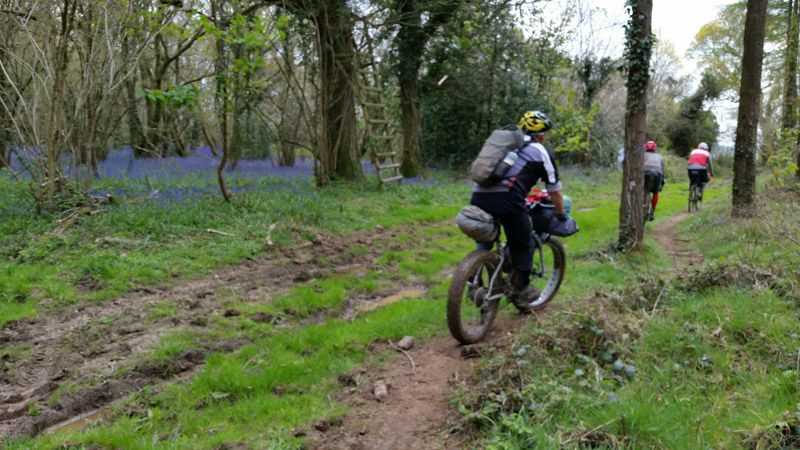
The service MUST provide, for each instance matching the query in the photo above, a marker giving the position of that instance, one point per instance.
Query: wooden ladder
(380, 138)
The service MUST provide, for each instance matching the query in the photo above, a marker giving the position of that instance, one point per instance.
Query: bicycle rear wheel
(693, 197)
(469, 312)
(549, 265)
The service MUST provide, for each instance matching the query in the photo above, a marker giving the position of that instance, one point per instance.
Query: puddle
(394, 298)
(79, 422)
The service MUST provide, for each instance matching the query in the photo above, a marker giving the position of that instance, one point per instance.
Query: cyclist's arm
(557, 197)
(710, 166)
(663, 172)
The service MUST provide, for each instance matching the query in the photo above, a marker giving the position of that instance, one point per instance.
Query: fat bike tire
(547, 277)
(469, 314)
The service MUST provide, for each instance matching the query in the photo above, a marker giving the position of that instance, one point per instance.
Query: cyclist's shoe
(524, 297)
(652, 216)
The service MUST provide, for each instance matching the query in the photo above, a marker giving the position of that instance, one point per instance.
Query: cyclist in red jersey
(700, 167)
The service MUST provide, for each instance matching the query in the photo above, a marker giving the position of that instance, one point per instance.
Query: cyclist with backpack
(505, 199)
(654, 174)
(700, 168)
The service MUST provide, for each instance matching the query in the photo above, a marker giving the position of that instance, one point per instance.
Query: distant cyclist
(654, 175)
(700, 168)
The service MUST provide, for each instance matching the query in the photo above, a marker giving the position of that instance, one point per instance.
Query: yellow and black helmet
(535, 121)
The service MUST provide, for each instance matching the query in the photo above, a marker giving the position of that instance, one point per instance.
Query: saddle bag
(477, 224)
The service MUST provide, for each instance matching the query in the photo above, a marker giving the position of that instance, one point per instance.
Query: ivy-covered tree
(638, 47)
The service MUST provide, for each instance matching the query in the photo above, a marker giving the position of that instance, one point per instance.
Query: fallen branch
(221, 233)
(655, 305)
(586, 433)
(69, 220)
(782, 233)
(413, 366)
(253, 359)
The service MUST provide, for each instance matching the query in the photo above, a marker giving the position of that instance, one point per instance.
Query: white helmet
(703, 145)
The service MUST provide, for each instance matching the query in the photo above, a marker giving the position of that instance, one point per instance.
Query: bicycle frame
(500, 250)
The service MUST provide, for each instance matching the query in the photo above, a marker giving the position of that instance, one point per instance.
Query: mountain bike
(648, 202)
(694, 196)
(484, 277)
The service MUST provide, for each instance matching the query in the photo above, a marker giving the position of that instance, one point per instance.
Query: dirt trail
(677, 248)
(417, 412)
(67, 361)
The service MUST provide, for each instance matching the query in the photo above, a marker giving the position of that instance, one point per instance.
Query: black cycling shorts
(698, 175)
(653, 181)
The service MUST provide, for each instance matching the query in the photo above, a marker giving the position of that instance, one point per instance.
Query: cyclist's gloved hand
(562, 217)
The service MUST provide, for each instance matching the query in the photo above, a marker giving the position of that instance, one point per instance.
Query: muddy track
(417, 412)
(71, 360)
(678, 249)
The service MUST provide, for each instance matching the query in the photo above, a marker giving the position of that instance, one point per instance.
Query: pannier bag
(543, 215)
(492, 163)
(477, 224)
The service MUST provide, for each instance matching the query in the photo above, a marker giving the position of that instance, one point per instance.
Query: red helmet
(650, 146)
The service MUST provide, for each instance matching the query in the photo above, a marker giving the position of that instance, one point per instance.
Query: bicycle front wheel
(549, 265)
(470, 311)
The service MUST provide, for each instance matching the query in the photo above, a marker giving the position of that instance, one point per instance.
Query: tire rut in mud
(84, 346)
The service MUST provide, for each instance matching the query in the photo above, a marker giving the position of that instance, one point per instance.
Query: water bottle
(502, 167)
(510, 159)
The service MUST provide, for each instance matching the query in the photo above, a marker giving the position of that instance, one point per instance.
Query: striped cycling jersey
(535, 163)
(700, 159)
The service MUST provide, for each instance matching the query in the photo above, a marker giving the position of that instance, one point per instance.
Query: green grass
(707, 362)
(135, 243)
(714, 363)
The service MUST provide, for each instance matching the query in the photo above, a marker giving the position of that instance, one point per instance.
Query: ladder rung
(372, 88)
(375, 105)
(384, 155)
(384, 136)
(377, 121)
(389, 166)
(397, 178)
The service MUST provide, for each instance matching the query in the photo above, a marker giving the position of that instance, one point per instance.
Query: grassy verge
(708, 359)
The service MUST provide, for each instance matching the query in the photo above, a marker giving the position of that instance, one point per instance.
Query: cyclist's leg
(702, 183)
(656, 189)
(518, 230)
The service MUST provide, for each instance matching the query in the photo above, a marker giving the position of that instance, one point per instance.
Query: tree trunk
(789, 116)
(135, 134)
(744, 157)
(639, 44)
(412, 124)
(59, 83)
(411, 40)
(222, 92)
(339, 144)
